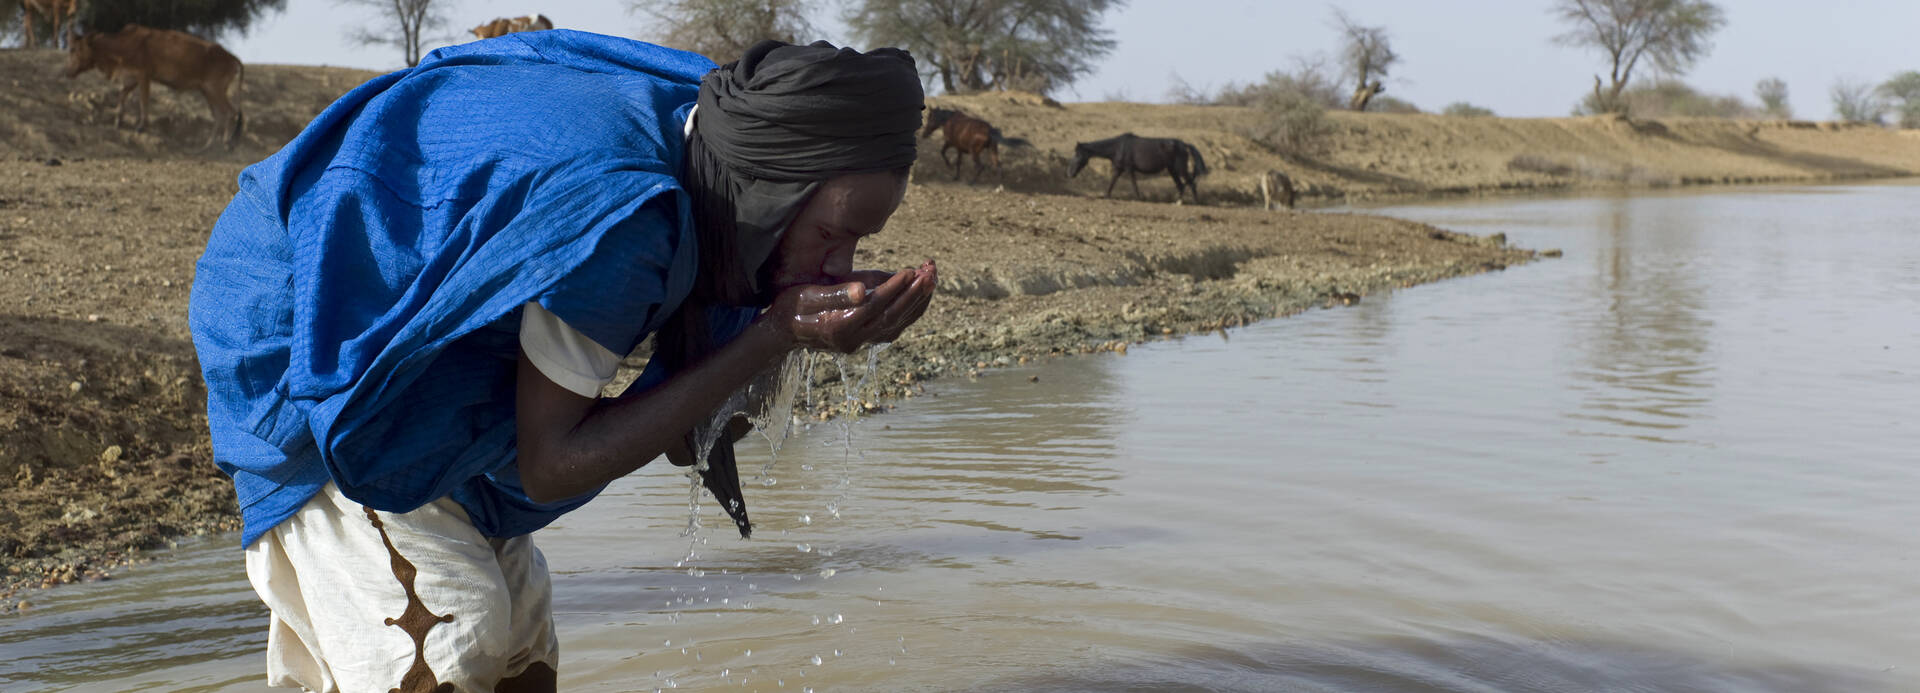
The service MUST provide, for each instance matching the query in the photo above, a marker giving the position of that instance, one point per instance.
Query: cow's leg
(146, 99)
(127, 86)
(220, 110)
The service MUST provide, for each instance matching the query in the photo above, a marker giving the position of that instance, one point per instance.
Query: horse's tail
(1008, 141)
(1199, 163)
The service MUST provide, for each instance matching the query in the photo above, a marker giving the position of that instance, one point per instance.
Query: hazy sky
(1493, 53)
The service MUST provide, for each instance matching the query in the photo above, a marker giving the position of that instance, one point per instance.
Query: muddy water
(1679, 459)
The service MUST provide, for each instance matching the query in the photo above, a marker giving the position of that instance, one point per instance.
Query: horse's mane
(1105, 147)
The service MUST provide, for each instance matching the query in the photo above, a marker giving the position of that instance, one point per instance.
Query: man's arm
(569, 444)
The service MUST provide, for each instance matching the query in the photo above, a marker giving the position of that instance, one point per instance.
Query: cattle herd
(137, 56)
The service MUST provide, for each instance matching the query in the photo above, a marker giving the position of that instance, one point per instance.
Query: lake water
(1681, 458)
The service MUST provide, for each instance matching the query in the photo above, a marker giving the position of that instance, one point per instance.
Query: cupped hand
(872, 307)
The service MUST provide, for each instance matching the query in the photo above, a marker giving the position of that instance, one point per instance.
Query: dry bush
(1671, 99)
(1530, 163)
(1388, 104)
(1856, 102)
(1466, 110)
(1583, 168)
(1293, 108)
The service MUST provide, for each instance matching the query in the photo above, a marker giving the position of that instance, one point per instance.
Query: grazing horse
(966, 135)
(1132, 155)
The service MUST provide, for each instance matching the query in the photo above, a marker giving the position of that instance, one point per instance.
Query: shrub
(1465, 110)
(1669, 98)
(1855, 102)
(1388, 104)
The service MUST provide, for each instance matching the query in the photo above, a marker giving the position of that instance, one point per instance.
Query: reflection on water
(1644, 332)
(1678, 459)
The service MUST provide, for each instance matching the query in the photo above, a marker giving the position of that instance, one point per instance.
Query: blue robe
(356, 312)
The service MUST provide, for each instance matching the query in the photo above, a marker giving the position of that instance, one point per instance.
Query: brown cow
(139, 56)
(59, 12)
(503, 26)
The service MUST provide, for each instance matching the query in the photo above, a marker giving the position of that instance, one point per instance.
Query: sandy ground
(103, 447)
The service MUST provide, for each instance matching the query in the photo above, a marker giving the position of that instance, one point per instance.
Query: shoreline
(103, 450)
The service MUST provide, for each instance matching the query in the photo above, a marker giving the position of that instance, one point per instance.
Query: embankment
(1379, 155)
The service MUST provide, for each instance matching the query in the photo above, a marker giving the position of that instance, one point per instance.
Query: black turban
(770, 127)
(774, 124)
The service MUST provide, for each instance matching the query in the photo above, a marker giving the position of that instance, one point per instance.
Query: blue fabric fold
(357, 309)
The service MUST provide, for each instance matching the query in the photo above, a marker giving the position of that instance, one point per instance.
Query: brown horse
(967, 135)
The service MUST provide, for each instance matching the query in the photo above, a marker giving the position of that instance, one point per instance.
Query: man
(405, 318)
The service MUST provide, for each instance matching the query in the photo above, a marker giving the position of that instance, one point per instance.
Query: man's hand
(871, 307)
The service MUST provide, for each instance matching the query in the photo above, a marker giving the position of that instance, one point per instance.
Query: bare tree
(725, 29)
(1855, 102)
(1772, 93)
(410, 22)
(1365, 54)
(1671, 34)
(974, 45)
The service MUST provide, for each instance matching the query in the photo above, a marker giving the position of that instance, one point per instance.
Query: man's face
(818, 247)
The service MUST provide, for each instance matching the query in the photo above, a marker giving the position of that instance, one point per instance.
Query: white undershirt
(567, 357)
(563, 354)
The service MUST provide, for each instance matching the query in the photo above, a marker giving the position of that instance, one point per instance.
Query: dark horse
(967, 135)
(1132, 154)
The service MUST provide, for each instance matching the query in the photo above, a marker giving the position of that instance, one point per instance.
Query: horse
(966, 135)
(1132, 155)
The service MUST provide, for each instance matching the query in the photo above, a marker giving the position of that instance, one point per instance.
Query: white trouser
(344, 618)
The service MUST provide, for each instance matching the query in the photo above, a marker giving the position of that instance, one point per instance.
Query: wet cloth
(356, 311)
(333, 579)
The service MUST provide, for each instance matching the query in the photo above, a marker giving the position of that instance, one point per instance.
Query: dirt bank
(103, 451)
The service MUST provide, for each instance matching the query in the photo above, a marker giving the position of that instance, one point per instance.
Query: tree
(1671, 34)
(1855, 102)
(724, 29)
(975, 45)
(1365, 54)
(1902, 94)
(1773, 98)
(205, 18)
(411, 20)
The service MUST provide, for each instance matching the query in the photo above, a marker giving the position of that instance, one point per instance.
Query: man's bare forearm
(617, 436)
